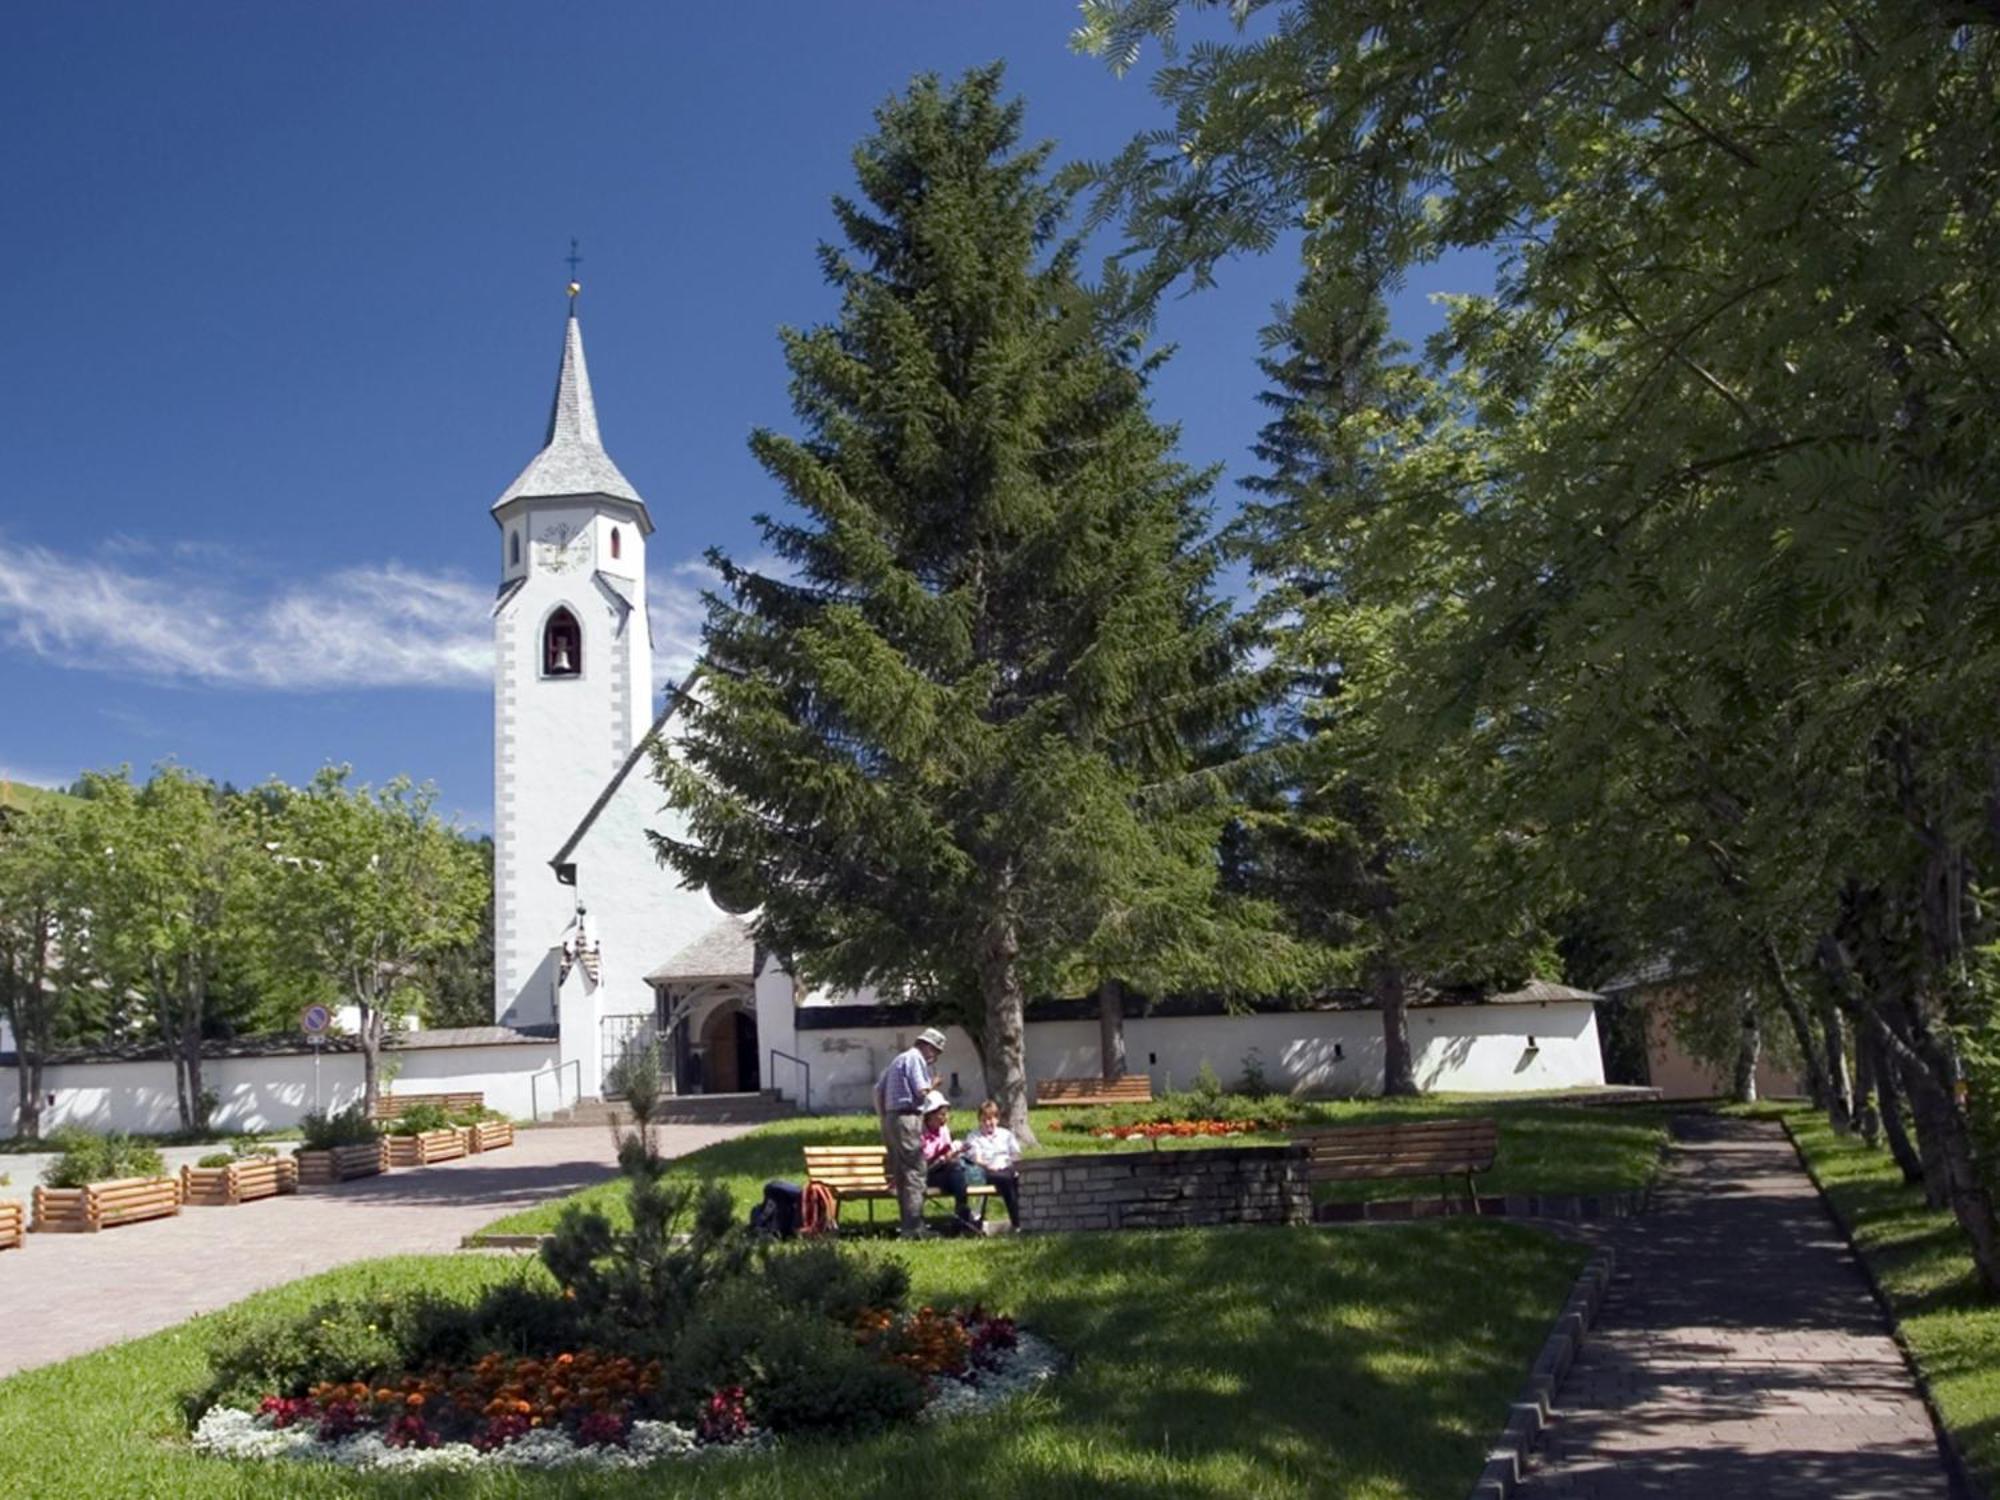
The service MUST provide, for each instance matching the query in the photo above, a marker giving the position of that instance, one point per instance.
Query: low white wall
(1459, 1049)
(274, 1093)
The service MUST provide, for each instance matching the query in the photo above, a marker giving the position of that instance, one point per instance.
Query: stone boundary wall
(1166, 1189)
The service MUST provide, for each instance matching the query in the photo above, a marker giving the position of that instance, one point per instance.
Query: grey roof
(573, 460)
(725, 951)
(1659, 969)
(1537, 991)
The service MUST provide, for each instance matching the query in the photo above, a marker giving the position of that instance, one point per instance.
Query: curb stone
(1963, 1485)
(1531, 1410)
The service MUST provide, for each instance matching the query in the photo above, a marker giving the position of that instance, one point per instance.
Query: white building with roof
(596, 938)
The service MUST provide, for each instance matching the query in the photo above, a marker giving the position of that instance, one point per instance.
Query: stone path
(63, 1294)
(1739, 1355)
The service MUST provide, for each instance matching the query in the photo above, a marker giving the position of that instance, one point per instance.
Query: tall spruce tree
(957, 751)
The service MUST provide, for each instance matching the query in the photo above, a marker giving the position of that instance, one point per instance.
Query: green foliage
(963, 750)
(217, 1159)
(348, 1127)
(375, 1337)
(419, 1118)
(88, 1158)
(364, 886)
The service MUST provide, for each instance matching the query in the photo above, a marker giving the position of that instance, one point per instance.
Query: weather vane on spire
(574, 260)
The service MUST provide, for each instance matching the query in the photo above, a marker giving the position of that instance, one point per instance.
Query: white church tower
(573, 676)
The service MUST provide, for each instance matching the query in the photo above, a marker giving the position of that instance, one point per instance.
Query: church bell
(562, 663)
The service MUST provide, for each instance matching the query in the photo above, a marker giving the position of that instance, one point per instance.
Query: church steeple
(573, 461)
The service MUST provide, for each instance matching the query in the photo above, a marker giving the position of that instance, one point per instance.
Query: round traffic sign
(315, 1019)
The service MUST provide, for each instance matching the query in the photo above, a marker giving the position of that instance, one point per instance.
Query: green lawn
(1546, 1146)
(1919, 1256)
(1373, 1364)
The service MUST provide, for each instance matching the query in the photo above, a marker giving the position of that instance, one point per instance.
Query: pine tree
(956, 752)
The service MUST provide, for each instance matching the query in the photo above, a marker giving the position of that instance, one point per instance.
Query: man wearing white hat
(899, 1101)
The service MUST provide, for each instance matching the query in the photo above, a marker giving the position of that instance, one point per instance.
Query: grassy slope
(1370, 1364)
(1545, 1146)
(1919, 1256)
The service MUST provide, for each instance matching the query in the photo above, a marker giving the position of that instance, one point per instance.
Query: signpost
(314, 1020)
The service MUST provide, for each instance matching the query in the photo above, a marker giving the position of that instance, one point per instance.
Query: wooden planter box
(240, 1181)
(431, 1146)
(342, 1163)
(88, 1209)
(11, 1224)
(489, 1135)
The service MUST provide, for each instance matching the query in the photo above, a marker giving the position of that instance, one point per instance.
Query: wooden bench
(124, 1200)
(389, 1106)
(1129, 1088)
(1443, 1149)
(11, 1224)
(862, 1172)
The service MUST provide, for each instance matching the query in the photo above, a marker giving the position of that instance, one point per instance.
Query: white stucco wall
(557, 741)
(274, 1093)
(1459, 1049)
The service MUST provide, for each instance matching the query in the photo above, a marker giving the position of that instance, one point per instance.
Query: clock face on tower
(561, 547)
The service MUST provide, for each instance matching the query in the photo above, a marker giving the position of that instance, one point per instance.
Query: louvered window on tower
(562, 646)
(616, 549)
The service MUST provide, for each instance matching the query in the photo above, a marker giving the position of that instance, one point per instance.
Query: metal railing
(535, 1080)
(803, 1066)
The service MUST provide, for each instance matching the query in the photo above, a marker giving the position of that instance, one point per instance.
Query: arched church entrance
(729, 1046)
(709, 1037)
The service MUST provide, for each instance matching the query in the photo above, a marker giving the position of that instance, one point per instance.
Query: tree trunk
(1889, 1089)
(1840, 1102)
(1945, 1141)
(371, 1057)
(1006, 1025)
(1111, 1028)
(1399, 1073)
(1749, 1048)
(191, 1064)
(28, 1084)
(1801, 1023)
(1866, 1120)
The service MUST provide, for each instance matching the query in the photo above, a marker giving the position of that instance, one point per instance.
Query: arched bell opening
(562, 646)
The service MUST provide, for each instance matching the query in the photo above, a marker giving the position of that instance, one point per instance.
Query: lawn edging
(1532, 1410)
(1963, 1482)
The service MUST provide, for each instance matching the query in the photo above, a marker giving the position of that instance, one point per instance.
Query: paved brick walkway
(63, 1294)
(1739, 1355)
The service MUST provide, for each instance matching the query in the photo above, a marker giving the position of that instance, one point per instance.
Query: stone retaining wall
(1166, 1189)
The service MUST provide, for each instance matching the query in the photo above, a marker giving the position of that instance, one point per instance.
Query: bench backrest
(1411, 1148)
(849, 1169)
(389, 1106)
(1131, 1088)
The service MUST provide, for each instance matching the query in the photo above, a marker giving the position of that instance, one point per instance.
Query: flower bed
(489, 1135)
(1178, 1129)
(426, 1147)
(241, 1181)
(97, 1205)
(590, 1408)
(342, 1163)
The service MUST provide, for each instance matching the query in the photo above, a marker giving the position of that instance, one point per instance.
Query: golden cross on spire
(574, 260)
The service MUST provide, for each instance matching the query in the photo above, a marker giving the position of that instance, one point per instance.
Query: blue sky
(282, 307)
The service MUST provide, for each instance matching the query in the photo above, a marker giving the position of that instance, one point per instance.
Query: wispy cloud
(209, 618)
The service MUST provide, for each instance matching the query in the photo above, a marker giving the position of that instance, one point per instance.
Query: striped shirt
(904, 1082)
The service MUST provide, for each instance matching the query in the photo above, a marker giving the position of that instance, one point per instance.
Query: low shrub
(88, 1158)
(1273, 1112)
(241, 1148)
(348, 1127)
(218, 1159)
(419, 1119)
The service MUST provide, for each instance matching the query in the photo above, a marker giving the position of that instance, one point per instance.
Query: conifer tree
(956, 752)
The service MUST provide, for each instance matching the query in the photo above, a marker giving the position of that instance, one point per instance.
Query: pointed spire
(573, 460)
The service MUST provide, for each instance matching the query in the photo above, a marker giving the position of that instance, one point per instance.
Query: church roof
(573, 460)
(725, 951)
